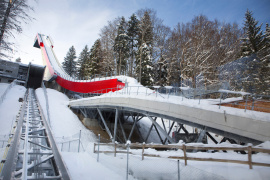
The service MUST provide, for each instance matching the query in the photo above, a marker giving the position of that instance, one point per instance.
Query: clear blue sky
(78, 22)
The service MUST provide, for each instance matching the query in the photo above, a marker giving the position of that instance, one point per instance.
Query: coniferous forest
(196, 54)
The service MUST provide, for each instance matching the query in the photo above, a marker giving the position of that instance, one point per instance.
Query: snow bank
(10, 108)
(3, 87)
(64, 123)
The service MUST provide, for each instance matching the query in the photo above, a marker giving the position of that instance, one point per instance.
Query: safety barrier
(47, 102)
(246, 101)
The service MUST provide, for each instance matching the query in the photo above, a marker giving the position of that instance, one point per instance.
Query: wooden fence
(184, 148)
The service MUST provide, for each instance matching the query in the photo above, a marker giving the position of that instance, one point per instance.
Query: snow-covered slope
(10, 108)
(83, 165)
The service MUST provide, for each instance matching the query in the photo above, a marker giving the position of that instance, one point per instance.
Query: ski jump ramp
(54, 71)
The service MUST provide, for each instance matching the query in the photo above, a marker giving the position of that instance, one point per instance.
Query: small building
(28, 75)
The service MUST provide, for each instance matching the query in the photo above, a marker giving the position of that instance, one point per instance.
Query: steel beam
(105, 124)
(115, 124)
(160, 128)
(133, 127)
(122, 129)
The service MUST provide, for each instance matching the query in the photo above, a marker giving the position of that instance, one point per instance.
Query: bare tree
(107, 38)
(13, 13)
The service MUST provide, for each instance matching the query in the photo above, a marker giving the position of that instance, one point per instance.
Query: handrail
(47, 103)
(167, 92)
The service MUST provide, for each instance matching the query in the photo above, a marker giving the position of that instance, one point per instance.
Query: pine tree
(121, 47)
(146, 67)
(82, 60)
(264, 69)
(145, 52)
(69, 63)
(161, 72)
(133, 34)
(253, 43)
(252, 40)
(94, 65)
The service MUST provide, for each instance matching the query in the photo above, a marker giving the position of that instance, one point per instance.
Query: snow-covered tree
(82, 61)
(160, 72)
(94, 65)
(133, 35)
(252, 40)
(145, 46)
(12, 15)
(160, 51)
(107, 38)
(264, 68)
(69, 63)
(144, 65)
(121, 47)
(255, 42)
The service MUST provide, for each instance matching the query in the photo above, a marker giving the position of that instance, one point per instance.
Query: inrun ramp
(32, 153)
(54, 71)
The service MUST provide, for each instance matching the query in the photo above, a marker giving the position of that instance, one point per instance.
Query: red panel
(91, 87)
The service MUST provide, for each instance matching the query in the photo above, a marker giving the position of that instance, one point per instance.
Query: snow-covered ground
(9, 108)
(83, 165)
(3, 87)
(150, 168)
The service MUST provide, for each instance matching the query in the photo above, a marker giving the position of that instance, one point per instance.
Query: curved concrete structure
(228, 125)
(54, 71)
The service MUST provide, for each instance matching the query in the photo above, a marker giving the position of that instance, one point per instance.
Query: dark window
(8, 71)
(10, 80)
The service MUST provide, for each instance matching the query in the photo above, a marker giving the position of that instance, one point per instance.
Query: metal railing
(47, 102)
(92, 78)
(244, 101)
(71, 144)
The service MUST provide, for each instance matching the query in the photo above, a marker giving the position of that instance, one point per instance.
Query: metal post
(79, 141)
(246, 103)
(220, 100)
(98, 147)
(127, 160)
(178, 169)
(115, 125)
